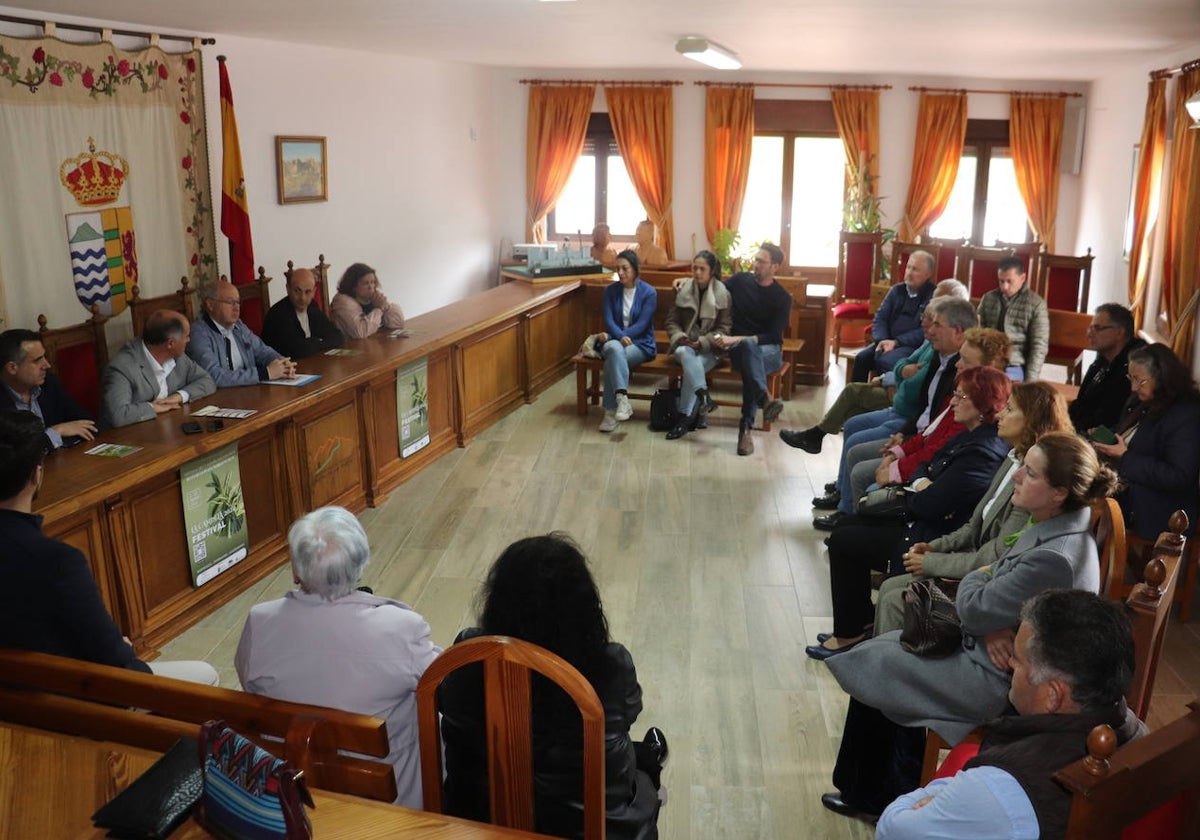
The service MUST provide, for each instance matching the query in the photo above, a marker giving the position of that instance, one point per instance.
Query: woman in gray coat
(702, 311)
(894, 694)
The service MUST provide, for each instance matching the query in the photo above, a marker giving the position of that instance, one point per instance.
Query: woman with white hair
(330, 644)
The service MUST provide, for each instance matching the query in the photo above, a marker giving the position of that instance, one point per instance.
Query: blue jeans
(1015, 372)
(753, 360)
(863, 428)
(618, 361)
(694, 365)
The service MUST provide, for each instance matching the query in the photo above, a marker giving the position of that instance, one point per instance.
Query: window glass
(1005, 219)
(955, 222)
(576, 207)
(625, 209)
(818, 189)
(762, 210)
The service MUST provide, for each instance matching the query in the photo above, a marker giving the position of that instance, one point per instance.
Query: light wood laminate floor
(711, 573)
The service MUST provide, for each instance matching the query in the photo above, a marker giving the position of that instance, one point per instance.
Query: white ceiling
(1018, 39)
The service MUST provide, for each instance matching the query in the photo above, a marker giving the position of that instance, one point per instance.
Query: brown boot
(745, 441)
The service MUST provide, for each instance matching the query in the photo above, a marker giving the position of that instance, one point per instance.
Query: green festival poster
(412, 406)
(214, 512)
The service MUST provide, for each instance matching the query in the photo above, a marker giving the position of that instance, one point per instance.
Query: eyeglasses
(1101, 327)
(229, 301)
(958, 395)
(1137, 383)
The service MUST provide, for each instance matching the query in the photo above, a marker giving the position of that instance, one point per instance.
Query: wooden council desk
(51, 784)
(333, 441)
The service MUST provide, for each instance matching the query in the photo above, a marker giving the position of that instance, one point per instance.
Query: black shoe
(829, 521)
(771, 411)
(829, 501)
(657, 742)
(834, 802)
(701, 422)
(745, 444)
(706, 401)
(831, 487)
(680, 429)
(821, 653)
(821, 637)
(809, 439)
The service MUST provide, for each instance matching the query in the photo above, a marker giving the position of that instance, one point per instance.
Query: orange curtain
(557, 128)
(728, 135)
(643, 123)
(1146, 195)
(1035, 135)
(857, 115)
(941, 130)
(1183, 216)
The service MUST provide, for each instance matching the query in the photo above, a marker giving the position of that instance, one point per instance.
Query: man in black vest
(1105, 386)
(1072, 662)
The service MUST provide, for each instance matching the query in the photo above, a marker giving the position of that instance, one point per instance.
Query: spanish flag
(235, 212)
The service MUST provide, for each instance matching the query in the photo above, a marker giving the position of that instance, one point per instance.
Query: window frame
(983, 140)
(601, 143)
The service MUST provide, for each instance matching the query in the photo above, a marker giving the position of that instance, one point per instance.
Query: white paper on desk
(301, 379)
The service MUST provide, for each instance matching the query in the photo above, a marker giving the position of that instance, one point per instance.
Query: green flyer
(412, 406)
(214, 512)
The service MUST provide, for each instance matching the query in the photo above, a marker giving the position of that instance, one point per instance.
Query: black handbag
(884, 503)
(931, 626)
(664, 409)
(156, 802)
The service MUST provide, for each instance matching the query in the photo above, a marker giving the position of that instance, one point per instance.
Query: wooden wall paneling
(85, 530)
(330, 448)
(489, 376)
(123, 539)
(553, 332)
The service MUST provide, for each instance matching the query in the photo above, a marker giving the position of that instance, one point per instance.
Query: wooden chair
(977, 266)
(1137, 551)
(78, 354)
(507, 663)
(1064, 282)
(1030, 254)
(901, 251)
(1108, 529)
(152, 712)
(256, 300)
(182, 301)
(321, 274)
(947, 254)
(1149, 604)
(1068, 340)
(1112, 789)
(860, 257)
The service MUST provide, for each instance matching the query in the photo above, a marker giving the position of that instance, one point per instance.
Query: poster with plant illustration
(214, 512)
(412, 406)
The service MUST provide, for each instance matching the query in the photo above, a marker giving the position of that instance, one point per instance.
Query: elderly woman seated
(895, 694)
(330, 644)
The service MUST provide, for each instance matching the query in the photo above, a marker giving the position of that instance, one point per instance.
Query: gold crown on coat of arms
(97, 177)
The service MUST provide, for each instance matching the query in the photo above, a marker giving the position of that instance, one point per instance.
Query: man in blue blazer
(26, 384)
(225, 347)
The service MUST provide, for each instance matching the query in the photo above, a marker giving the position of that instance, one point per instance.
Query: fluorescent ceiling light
(1193, 109)
(706, 52)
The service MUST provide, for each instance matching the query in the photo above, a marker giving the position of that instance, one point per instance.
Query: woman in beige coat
(702, 312)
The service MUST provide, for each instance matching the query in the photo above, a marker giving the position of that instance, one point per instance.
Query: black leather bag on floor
(664, 413)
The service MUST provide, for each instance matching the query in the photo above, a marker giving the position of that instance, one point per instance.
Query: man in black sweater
(296, 326)
(1105, 386)
(760, 315)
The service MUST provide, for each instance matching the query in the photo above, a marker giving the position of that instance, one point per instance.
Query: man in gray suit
(151, 375)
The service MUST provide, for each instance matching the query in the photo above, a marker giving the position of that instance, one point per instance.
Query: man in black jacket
(296, 326)
(26, 384)
(49, 601)
(1105, 386)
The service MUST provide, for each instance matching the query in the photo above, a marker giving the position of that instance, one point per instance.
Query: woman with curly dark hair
(1157, 448)
(541, 591)
(360, 308)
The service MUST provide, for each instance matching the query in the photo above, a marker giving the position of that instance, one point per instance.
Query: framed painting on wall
(301, 169)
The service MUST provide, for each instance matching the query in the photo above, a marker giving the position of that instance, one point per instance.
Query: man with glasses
(225, 347)
(1105, 387)
(151, 375)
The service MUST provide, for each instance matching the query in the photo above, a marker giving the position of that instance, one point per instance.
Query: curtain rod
(1049, 94)
(1168, 72)
(623, 82)
(100, 30)
(791, 85)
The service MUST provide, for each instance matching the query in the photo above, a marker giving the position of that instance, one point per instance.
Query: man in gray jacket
(1018, 311)
(151, 375)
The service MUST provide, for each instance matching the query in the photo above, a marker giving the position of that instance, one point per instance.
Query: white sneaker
(609, 423)
(624, 409)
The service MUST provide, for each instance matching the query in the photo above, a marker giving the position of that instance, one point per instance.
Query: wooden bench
(151, 712)
(588, 387)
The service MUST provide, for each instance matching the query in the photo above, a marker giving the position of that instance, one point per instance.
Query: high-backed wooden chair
(1068, 340)
(1064, 281)
(256, 300)
(507, 664)
(1117, 791)
(1149, 605)
(1030, 254)
(321, 275)
(1108, 529)
(947, 255)
(141, 308)
(977, 266)
(152, 712)
(901, 251)
(860, 257)
(78, 354)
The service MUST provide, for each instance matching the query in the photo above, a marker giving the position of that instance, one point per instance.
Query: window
(985, 205)
(599, 190)
(796, 186)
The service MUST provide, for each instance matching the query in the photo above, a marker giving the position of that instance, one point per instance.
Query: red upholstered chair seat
(77, 369)
(852, 309)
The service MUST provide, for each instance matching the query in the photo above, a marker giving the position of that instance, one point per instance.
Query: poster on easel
(214, 513)
(412, 406)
